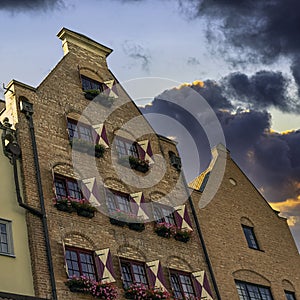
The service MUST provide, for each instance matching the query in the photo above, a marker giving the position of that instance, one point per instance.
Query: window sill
(8, 254)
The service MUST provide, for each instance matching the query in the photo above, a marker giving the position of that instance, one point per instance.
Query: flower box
(84, 208)
(139, 291)
(137, 226)
(91, 94)
(134, 163)
(165, 230)
(104, 100)
(182, 235)
(117, 222)
(87, 147)
(97, 289)
(63, 204)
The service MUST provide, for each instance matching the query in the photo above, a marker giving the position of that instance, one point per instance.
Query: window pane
(250, 237)
(123, 203)
(290, 295)
(74, 190)
(60, 188)
(176, 287)
(139, 274)
(187, 287)
(5, 238)
(250, 291)
(126, 275)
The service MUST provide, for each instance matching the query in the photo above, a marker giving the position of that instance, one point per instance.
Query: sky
(242, 56)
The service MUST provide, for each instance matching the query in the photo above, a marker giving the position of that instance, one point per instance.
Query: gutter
(202, 242)
(27, 108)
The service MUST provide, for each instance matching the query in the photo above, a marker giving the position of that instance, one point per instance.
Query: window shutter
(202, 285)
(155, 275)
(104, 264)
(65, 259)
(182, 218)
(102, 136)
(138, 205)
(91, 191)
(145, 151)
(111, 89)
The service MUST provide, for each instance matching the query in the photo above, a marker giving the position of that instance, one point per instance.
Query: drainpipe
(27, 108)
(213, 279)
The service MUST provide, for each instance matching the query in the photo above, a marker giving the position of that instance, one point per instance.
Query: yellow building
(15, 274)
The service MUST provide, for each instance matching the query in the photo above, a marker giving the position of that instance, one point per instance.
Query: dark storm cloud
(264, 29)
(263, 89)
(30, 5)
(137, 52)
(270, 160)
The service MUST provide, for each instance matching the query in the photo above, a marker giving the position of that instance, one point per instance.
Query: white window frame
(8, 225)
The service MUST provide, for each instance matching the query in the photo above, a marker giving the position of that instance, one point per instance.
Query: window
(126, 148)
(79, 131)
(67, 187)
(182, 285)
(80, 262)
(117, 201)
(250, 237)
(163, 214)
(248, 291)
(6, 245)
(175, 160)
(91, 84)
(133, 272)
(290, 295)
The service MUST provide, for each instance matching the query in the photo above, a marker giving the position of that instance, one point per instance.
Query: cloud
(137, 52)
(193, 61)
(30, 5)
(265, 30)
(262, 90)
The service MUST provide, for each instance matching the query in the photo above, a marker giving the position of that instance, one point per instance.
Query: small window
(126, 148)
(67, 187)
(290, 295)
(91, 84)
(133, 272)
(175, 160)
(6, 245)
(250, 237)
(249, 291)
(79, 131)
(116, 201)
(164, 214)
(182, 285)
(80, 262)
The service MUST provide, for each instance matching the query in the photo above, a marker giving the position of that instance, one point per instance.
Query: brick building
(96, 213)
(250, 246)
(76, 148)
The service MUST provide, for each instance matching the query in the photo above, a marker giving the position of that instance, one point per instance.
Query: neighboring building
(50, 120)
(16, 274)
(250, 246)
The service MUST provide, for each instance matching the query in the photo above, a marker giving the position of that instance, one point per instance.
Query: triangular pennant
(146, 151)
(182, 218)
(138, 206)
(111, 89)
(102, 135)
(91, 191)
(155, 274)
(105, 266)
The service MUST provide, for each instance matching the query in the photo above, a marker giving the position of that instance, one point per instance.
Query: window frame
(250, 237)
(288, 294)
(131, 263)
(85, 80)
(177, 274)
(130, 147)
(8, 237)
(246, 290)
(116, 204)
(161, 216)
(79, 251)
(77, 128)
(67, 180)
